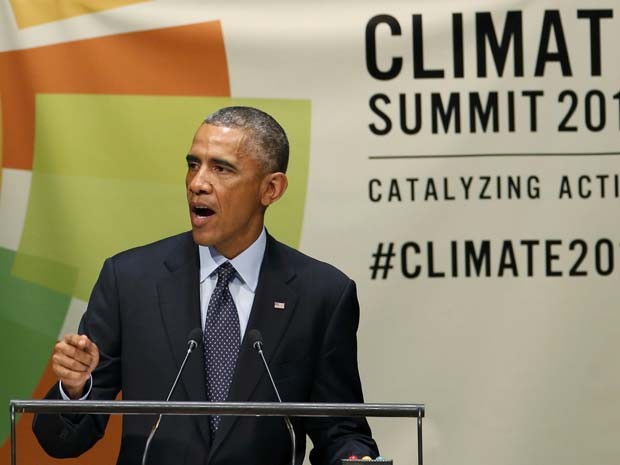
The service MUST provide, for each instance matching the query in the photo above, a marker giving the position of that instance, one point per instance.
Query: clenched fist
(73, 360)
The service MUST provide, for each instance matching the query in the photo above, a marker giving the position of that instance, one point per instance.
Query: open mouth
(202, 212)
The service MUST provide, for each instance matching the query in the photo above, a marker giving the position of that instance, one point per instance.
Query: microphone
(194, 339)
(256, 338)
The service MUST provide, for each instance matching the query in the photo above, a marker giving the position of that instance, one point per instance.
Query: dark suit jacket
(143, 306)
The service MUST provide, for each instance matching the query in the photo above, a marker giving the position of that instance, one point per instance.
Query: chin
(201, 238)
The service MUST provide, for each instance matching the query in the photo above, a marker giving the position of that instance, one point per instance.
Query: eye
(193, 165)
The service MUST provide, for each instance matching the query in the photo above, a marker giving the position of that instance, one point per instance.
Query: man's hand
(73, 360)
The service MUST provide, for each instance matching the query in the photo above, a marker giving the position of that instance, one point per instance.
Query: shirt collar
(247, 263)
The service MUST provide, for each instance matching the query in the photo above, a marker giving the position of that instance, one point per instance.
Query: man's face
(226, 189)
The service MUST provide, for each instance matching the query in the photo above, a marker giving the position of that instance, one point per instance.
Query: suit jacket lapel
(179, 303)
(273, 286)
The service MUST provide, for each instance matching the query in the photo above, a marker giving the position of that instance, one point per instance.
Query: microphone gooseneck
(193, 341)
(256, 339)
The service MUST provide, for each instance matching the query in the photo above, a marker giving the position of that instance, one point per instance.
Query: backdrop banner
(459, 160)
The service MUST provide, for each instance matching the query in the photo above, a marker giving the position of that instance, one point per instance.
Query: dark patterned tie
(222, 338)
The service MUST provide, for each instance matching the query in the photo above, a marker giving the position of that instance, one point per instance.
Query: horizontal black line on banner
(488, 155)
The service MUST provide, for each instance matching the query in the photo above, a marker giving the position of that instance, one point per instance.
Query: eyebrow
(222, 162)
(218, 161)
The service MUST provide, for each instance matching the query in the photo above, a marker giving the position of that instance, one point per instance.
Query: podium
(285, 409)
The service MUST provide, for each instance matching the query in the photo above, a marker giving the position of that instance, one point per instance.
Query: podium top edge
(296, 409)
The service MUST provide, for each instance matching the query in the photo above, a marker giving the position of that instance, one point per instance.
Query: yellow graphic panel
(1, 141)
(32, 12)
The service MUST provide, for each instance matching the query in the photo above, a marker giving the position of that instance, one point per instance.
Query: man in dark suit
(227, 276)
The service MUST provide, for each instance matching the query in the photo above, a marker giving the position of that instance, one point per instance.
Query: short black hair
(267, 138)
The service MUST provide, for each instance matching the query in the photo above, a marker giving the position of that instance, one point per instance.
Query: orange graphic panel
(183, 60)
(32, 12)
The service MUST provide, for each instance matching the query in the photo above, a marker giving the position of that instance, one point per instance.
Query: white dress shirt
(242, 287)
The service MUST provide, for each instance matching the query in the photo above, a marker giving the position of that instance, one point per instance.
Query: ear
(274, 186)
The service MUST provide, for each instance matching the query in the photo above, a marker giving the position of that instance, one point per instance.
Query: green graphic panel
(30, 317)
(109, 174)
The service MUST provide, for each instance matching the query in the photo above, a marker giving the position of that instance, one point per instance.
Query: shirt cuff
(89, 385)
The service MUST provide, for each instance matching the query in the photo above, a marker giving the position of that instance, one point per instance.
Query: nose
(199, 182)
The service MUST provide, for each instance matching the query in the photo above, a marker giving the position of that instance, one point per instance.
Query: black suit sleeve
(337, 380)
(71, 435)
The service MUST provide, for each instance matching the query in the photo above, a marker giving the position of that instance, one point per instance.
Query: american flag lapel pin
(279, 305)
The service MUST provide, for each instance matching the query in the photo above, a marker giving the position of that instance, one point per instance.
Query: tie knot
(225, 274)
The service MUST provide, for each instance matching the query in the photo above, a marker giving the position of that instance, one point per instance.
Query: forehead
(218, 140)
